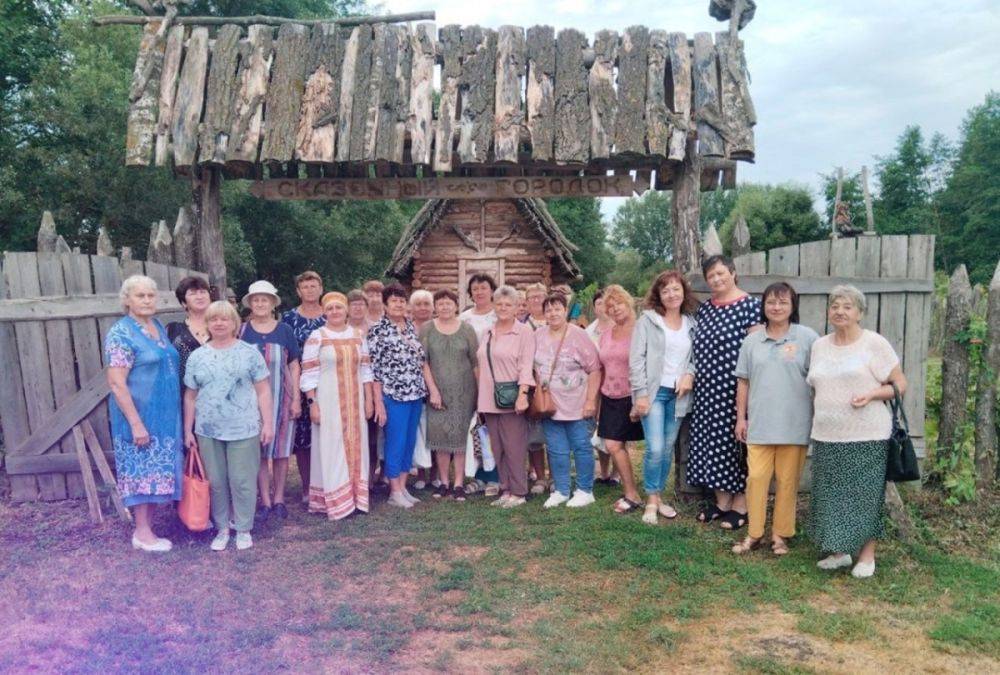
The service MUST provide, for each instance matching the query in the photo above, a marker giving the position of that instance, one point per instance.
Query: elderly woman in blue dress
(143, 373)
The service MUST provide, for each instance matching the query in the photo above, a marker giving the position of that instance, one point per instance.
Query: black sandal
(734, 519)
(710, 513)
(458, 493)
(629, 505)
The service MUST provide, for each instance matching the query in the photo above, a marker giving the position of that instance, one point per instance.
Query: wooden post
(954, 363)
(869, 214)
(104, 245)
(741, 238)
(207, 189)
(986, 391)
(161, 244)
(686, 211)
(712, 245)
(603, 99)
(46, 240)
(185, 242)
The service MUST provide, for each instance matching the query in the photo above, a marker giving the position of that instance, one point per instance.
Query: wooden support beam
(220, 98)
(132, 20)
(89, 486)
(540, 95)
(97, 453)
(62, 421)
(509, 117)
(630, 126)
(603, 100)
(572, 111)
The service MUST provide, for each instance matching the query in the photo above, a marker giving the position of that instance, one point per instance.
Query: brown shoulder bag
(542, 406)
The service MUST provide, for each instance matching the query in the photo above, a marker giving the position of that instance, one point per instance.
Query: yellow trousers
(785, 463)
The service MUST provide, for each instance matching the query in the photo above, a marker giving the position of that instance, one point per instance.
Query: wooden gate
(896, 274)
(55, 310)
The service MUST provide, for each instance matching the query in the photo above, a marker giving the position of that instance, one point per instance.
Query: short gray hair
(422, 293)
(848, 292)
(224, 309)
(505, 292)
(133, 282)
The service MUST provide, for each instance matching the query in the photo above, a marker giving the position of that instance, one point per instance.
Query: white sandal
(649, 514)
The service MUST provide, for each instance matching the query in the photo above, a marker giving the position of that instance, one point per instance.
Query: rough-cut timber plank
(90, 487)
(380, 143)
(955, 361)
(509, 118)
(362, 83)
(756, 283)
(572, 112)
(540, 96)
(420, 122)
(284, 94)
(107, 279)
(255, 67)
(603, 99)
(657, 113)
(450, 39)
(348, 75)
(868, 264)
(476, 88)
(13, 412)
(189, 100)
(814, 261)
(168, 89)
(320, 101)
(220, 97)
(919, 265)
(404, 70)
(680, 68)
(892, 306)
(58, 424)
(633, 67)
(97, 454)
(141, 127)
(737, 110)
(706, 96)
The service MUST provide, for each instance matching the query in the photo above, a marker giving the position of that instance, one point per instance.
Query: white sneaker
(555, 499)
(500, 502)
(435, 483)
(512, 501)
(398, 499)
(538, 487)
(835, 561)
(410, 498)
(863, 570)
(243, 541)
(161, 545)
(419, 485)
(580, 498)
(221, 541)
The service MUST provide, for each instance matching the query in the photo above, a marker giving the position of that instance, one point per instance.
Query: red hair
(665, 277)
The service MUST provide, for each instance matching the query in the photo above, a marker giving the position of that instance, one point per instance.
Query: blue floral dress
(149, 474)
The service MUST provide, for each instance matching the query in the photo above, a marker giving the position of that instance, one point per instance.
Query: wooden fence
(896, 274)
(55, 310)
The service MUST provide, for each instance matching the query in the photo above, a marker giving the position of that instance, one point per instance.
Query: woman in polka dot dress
(714, 460)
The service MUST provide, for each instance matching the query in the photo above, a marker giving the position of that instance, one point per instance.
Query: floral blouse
(397, 360)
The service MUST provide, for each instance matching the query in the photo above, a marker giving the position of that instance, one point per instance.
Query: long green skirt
(848, 494)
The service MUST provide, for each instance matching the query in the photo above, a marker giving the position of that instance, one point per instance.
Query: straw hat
(261, 288)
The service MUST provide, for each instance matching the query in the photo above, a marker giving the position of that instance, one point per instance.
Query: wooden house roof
(356, 102)
(534, 210)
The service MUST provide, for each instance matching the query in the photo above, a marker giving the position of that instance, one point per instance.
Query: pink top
(577, 359)
(614, 360)
(511, 352)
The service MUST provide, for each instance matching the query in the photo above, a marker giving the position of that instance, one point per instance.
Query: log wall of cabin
(489, 235)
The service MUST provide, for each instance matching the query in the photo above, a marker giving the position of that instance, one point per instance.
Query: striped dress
(279, 349)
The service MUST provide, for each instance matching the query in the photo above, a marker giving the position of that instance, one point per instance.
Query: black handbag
(901, 460)
(504, 393)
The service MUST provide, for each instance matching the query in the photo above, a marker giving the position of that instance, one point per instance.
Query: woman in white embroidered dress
(337, 382)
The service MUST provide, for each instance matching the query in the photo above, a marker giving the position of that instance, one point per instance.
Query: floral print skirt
(848, 493)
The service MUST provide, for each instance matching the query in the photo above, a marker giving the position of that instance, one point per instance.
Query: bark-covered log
(284, 94)
(142, 116)
(420, 123)
(633, 67)
(316, 136)
(46, 240)
(348, 78)
(132, 20)
(477, 87)
(572, 111)
(680, 68)
(168, 89)
(380, 132)
(657, 114)
(603, 99)
(404, 70)
(986, 390)
(362, 84)
(706, 97)
(686, 211)
(737, 111)
(540, 96)
(255, 68)
(185, 253)
(220, 98)
(955, 363)
(450, 39)
(211, 254)
(509, 118)
(189, 99)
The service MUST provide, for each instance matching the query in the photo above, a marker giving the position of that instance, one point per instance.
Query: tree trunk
(986, 394)
(686, 211)
(955, 363)
(207, 193)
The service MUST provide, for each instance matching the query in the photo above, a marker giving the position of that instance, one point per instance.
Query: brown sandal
(779, 547)
(747, 545)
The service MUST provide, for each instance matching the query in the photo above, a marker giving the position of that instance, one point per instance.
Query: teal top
(226, 407)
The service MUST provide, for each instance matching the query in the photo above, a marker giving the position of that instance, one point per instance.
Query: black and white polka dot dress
(713, 457)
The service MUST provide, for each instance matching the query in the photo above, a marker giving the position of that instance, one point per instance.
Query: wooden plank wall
(346, 101)
(47, 361)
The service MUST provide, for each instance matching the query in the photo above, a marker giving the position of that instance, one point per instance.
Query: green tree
(579, 218)
(777, 215)
(969, 205)
(716, 206)
(643, 224)
(851, 194)
(903, 201)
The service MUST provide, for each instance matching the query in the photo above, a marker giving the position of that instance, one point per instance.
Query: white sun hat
(261, 288)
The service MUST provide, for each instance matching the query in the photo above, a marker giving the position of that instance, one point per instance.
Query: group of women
(353, 384)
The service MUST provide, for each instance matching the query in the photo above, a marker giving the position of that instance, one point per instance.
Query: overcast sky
(834, 83)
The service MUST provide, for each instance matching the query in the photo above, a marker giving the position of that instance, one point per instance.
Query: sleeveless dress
(714, 459)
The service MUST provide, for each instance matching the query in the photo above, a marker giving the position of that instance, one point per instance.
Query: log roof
(534, 210)
(362, 101)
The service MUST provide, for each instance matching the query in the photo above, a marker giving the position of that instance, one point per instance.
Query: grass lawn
(469, 588)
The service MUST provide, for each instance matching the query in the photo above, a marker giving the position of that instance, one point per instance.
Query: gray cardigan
(645, 360)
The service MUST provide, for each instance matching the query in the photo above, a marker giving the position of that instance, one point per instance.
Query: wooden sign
(449, 188)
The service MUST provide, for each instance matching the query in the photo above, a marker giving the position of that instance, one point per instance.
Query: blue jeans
(562, 439)
(660, 428)
(402, 420)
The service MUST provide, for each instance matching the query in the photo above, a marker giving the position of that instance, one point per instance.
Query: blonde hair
(132, 283)
(616, 293)
(308, 275)
(225, 309)
(536, 287)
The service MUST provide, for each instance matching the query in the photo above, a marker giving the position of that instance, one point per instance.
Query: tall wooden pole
(206, 183)
(686, 211)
